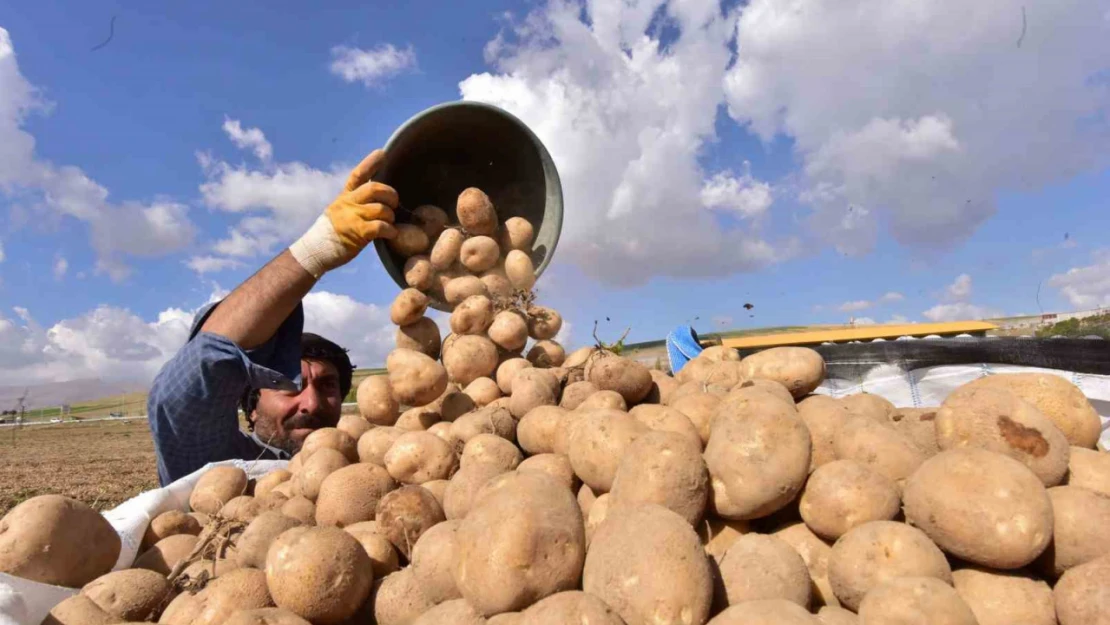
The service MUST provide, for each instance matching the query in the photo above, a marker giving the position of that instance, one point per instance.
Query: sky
(827, 161)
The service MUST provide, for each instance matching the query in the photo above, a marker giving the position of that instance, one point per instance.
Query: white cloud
(899, 319)
(960, 311)
(565, 336)
(890, 297)
(116, 230)
(371, 67)
(211, 264)
(863, 321)
(626, 117)
(364, 329)
(61, 266)
(855, 306)
(2, 251)
(1088, 286)
(928, 112)
(959, 290)
(863, 304)
(248, 139)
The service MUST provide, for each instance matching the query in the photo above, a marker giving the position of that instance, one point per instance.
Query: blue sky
(711, 156)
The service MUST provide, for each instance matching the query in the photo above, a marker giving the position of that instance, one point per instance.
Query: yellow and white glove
(362, 212)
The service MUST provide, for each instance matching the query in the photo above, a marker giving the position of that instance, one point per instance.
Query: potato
(211, 568)
(473, 316)
(433, 562)
(352, 425)
(491, 449)
(408, 307)
(915, 600)
(329, 438)
(415, 378)
(409, 241)
(546, 354)
(421, 335)
(175, 522)
(469, 358)
(445, 252)
(579, 357)
(700, 409)
(432, 219)
(456, 612)
(744, 387)
(489, 420)
(240, 589)
(507, 371)
(216, 487)
(555, 466)
(128, 595)
(479, 254)
(462, 287)
(799, 369)
(476, 212)
(536, 430)
(418, 457)
(320, 573)
(917, 424)
(646, 563)
(255, 541)
(307, 481)
(608, 400)
(765, 612)
(823, 416)
(1082, 595)
(497, 284)
(438, 489)
(383, 557)
(399, 599)
(877, 552)
(533, 388)
(523, 540)
(599, 511)
(666, 469)
(871, 406)
(265, 616)
(456, 403)
(1080, 518)
(570, 606)
(586, 498)
(373, 445)
(76, 610)
(576, 393)
(516, 234)
(610, 372)
(597, 444)
(722, 377)
(844, 494)
(543, 322)
(1089, 469)
(1058, 399)
(664, 385)
(831, 615)
(163, 556)
(878, 447)
(520, 270)
(763, 567)
(1000, 421)
(419, 273)
(405, 514)
(984, 507)
(461, 490)
(350, 495)
(375, 400)
(758, 461)
(720, 353)
(243, 509)
(1000, 598)
(815, 553)
(418, 419)
(482, 391)
(301, 509)
(717, 535)
(509, 331)
(695, 371)
(285, 489)
(181, 610)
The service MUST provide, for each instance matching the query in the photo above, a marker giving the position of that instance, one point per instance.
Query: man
(248, 350)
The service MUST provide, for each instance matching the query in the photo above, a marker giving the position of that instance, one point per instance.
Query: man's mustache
(309, 421)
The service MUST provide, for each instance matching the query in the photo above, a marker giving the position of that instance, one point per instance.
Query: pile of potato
(480, 486)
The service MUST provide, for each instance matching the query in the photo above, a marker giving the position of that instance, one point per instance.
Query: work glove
(362, 212)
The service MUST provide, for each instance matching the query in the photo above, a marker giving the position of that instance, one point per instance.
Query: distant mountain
(69, 392)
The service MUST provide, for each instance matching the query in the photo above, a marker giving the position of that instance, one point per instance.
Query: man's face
(284, 418)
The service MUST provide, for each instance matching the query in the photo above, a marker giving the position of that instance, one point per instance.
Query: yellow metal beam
(858, 333)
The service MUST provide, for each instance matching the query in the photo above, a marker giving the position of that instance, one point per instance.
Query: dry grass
(101, 464)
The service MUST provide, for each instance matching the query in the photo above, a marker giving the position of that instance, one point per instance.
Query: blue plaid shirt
(193, 406)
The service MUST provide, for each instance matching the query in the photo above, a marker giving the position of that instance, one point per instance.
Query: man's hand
(362, 212)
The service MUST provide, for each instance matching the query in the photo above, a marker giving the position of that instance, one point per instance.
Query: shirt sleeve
(193, 407)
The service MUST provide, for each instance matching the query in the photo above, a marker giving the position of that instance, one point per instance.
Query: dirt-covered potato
(717, 535)
(823, 416)
(476, 212)
(555, 466)
(533, 388)
(445, 252)
(438, 488)
(421, 335)
(352, 425)
(918, 425)
(240, 589)
(307, 481)
(844, 494)
(597, 443)
(700, 408)
(571, 606)
(320, 573)
(419, 273)
(575, 393)
(405, 514)
(497, 284)
(409, 241)
(265, 616)
(1004, 598)
(509, 331)
(516, 234)
(243, 509)
(868, 405)
(255, 541)
(541, 553)
(432, 219)
(765, 612)
(415, 379)
(375, 400)
(719, 353)
(543, 322)
(1057, 398)
(981, 506)
(163, 556)
(373, 445)
(666, 469)
(915, 600)
(473, 316)
(1082, 595)
(878, 447)
(545, 354)
(174, 522)
(815, 553)
(180, 611)
(350, 494)
(418, 457)
(464, 486)
(128, 595)
(580, 356)
(454, 612)
(608, 400)
(610, 372)
(479, 254)
(433, 562)
(216, 487)
(78, 610)
(491, 449)
(458, 289)
(1000, 421)
(758, 460)
(877, 552)
(507, 371)
(520, 270)
(1089, 469)
(398, 599)
(470, 357)
(763, 567)
(647, 564)
(301, 509)
(799, 369)
(662, 388)
(482, 391)
(492, 419)
(722, 377)
(383, 557)
(418, 419)
(329, 438)
(1080, 519)
(408, 307)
